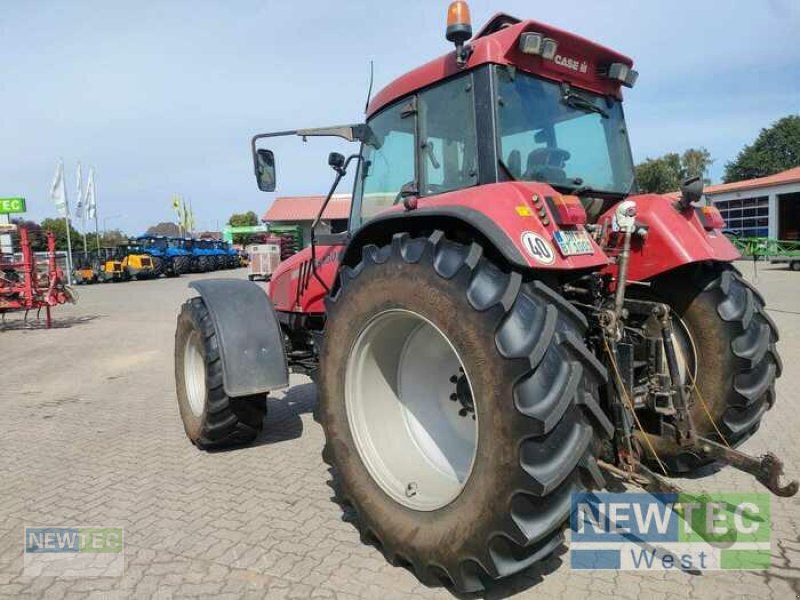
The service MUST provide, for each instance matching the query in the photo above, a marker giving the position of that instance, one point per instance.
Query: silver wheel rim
(194, 374)
(417, 441)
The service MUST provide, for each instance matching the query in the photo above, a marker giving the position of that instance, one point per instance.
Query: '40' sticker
(538, 247)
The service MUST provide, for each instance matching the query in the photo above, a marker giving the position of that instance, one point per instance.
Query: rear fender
(250, 338)
(509, 217)
(674, 238)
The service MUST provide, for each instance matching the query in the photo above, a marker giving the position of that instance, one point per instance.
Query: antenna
(369, 91)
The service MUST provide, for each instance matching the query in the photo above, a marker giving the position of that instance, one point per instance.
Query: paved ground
(91, 436)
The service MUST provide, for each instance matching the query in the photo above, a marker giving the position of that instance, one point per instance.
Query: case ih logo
(573, 64)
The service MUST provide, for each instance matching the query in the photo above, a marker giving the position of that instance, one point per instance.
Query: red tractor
(507, 319)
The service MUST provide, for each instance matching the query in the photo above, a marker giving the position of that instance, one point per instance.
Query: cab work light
(710, 217)
(566, 210)
(536, 43)
(623, 73)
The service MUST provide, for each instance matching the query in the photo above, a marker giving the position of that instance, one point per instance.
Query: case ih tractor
(506, 322)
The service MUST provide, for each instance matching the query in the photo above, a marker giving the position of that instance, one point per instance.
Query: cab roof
(578, 61)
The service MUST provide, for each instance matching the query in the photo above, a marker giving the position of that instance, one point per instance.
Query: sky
(162, 97)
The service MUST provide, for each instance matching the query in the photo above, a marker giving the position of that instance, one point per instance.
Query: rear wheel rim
(411, 410)
(194, 374)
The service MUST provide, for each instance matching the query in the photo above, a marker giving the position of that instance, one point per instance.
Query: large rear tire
(425, 332)
(158, 266)
(211, 419)
(182, 264)
(736, 360)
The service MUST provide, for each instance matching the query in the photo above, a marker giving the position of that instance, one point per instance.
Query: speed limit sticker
(538, 247)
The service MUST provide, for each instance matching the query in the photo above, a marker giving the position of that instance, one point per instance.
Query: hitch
(767, 469)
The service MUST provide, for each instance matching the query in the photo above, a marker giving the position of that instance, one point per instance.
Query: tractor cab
(520, 133)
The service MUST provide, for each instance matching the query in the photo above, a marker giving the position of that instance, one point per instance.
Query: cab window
(448, 146)
(388, 162)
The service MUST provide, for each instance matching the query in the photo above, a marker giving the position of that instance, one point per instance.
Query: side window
(448, 146)
(389, 164)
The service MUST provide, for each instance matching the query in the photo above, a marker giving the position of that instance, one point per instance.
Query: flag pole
(94, 210)
(96, 232)
(69, 240)
(68, 222)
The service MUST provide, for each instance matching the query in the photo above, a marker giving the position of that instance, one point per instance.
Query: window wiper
(575, 100)
(585, 190)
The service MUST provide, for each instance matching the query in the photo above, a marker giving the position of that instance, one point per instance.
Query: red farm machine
(26, 285)
(506, 321)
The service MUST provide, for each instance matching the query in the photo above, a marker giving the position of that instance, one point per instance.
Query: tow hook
(767, 469)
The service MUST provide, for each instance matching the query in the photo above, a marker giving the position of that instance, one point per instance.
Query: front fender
(250, 338)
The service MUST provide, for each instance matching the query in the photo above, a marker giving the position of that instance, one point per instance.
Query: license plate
(573, 243)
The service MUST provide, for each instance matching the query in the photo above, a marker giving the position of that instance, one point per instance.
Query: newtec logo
(639, 531)
(74, 551)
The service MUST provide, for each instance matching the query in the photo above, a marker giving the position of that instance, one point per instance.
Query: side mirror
(336, 161)
(264, 162)
(691, 191)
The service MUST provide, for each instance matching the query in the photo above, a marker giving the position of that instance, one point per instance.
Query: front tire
(158, 266)
(182, 264)
(533, 389)
(211, 418)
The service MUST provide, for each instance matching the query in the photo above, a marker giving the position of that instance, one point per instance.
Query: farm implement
(26, 285)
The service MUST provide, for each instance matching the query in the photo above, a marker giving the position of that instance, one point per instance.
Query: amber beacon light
(459, 29)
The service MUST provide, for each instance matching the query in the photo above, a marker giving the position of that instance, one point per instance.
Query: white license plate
(573, 243)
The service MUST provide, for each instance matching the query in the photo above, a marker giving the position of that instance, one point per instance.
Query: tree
(776, 149)
(108, 239)
(665, 174)
(165, 228)
(695, 163)
(247, 219)
(58, 226)
(35, 234)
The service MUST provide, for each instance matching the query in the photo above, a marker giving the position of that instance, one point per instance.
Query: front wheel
(211, 418)
(460, 409)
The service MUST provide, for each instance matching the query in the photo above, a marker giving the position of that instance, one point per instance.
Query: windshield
(567, 137)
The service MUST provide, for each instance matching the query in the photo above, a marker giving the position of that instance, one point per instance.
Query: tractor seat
(547, 164)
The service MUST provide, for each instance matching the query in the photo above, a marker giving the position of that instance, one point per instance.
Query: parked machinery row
(150, 256)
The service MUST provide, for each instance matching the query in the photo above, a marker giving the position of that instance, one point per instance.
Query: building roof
(784, 177)
(305, 208)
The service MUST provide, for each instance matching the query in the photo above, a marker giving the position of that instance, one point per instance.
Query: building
(302, 210)
(763, 207)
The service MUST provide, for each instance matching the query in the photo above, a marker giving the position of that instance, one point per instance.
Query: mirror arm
(340, 173)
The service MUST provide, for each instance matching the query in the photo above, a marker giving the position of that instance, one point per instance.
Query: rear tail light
(566, 210)
(710, 217)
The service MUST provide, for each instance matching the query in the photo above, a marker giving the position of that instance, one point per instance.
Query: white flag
(58, 191)
(79, 209)
(91, 200)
